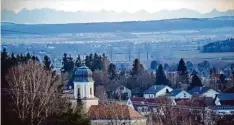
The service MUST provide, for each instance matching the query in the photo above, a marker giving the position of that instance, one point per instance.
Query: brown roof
(113, 112)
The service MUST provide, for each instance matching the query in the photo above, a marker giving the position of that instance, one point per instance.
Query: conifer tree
(78, 61)
(112, 71)
(47, 63)
(136, 67)
(196, 81)
(160, 76)
(181, 67)
(182, 71)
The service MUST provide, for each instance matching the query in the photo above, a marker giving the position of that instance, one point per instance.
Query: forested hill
(131, 26)
(220, 46)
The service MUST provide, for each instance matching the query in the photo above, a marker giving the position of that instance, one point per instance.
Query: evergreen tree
(13, 59)
(182, 71)
(4, 54)
(78, 61)
(222, 78)
(136, 67)
(28, 56)
(112, 71)
(88, 60)
(47, 63)
(160, 76)
(68, 63)
(33, 58)
(181, 67)
(64, 62)
(196, 81)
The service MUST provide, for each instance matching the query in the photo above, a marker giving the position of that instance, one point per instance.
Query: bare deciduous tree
(32, 91)
(101, 93)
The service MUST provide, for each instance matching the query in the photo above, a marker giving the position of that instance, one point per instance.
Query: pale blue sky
(202, 6)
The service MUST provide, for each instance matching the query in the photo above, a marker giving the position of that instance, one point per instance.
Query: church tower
(84, 86)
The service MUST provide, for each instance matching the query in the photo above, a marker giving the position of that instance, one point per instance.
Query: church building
(84, 87)
(100, 114)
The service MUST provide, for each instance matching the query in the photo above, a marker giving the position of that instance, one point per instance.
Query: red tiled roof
(227, 102)
(113, 112)
(191, 102)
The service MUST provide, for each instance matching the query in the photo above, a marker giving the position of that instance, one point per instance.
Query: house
(203, 91)
(118, 91)
(115, 114)
(224, 110)
(156, 91)
(225, 99)
(179, 94)
(147, 105)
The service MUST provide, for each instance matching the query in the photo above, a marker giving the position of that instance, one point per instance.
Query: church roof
(113, 112)
(83, 74)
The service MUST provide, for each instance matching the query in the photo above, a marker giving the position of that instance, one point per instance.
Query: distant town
(163, 72)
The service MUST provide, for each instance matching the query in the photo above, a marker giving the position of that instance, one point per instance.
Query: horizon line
(112, 22)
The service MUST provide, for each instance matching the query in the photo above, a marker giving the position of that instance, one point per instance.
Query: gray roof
(154, 89)
(198, 90)
(226, 96)
(175, 92)
(83, 74)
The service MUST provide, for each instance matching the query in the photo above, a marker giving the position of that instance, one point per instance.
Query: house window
(184, 95)
(90, 91)
(139, 109)
(146, 109)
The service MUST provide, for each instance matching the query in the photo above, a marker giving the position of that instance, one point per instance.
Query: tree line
(31, 93)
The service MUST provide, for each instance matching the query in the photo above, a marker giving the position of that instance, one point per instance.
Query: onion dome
(83, 74)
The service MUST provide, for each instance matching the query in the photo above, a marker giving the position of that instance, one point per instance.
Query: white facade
(161, 92)
(182, 95)
(210, 93)
(86, 89)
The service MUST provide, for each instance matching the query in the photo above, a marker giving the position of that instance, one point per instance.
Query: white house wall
(163, 91)
(210, 93)
(149, 95)
(181, 95)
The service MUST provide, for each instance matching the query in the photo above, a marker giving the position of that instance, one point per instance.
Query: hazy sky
(202, 6)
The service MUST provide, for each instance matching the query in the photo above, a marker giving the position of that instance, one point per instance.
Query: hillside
(131, 26)
(220, 46)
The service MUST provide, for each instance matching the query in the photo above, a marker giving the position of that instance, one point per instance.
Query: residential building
(203, 91)
(225, 99)
(156, 91)
(179, 94)
(147, 105)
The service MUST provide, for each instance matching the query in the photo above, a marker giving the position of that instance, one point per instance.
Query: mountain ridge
(52, 16)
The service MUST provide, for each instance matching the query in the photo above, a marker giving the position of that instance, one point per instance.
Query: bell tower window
(90, 91)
